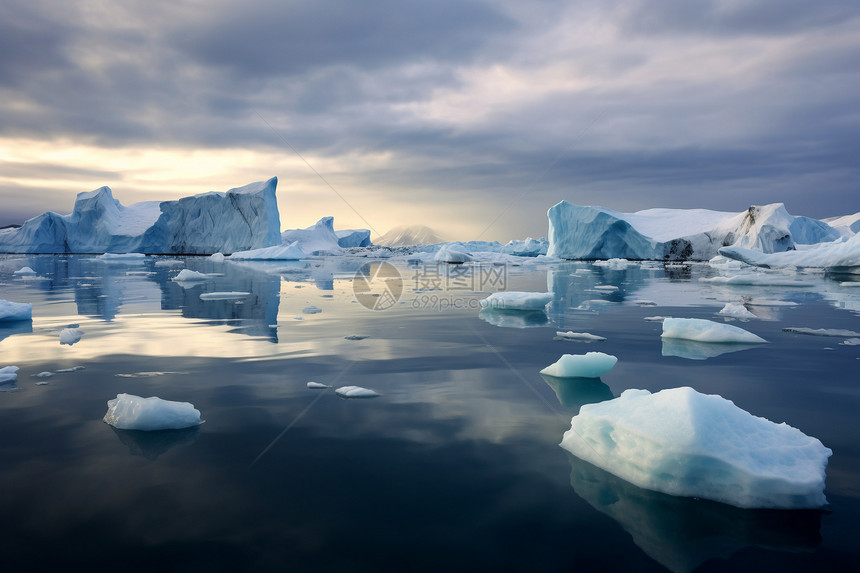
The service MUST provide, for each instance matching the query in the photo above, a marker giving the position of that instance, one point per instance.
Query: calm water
(455, 467)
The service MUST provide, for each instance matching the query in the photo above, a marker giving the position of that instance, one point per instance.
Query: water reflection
(151, 445)
(514, 318)
(7, 329)
(574, 393)
(682, 533)
(693, 350)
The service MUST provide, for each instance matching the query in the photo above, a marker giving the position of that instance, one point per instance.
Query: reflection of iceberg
(682, 533)
(576, 392)
(693, 350)
(18, 327)
(514, 318)
(150, 445)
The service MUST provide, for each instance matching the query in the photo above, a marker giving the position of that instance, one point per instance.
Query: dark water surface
(456, 466)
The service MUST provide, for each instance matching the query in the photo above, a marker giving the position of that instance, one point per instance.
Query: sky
(471, 117)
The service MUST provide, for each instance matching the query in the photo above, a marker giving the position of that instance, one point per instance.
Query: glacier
(239, 219)
(593, 232)
(684, 443)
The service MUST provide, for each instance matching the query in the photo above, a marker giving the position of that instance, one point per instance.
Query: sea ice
(570, 335)
(355, 392)
(223, 295)
(129, 412)
(317, 385)
(23, 271)
(45, 374)
(452, 253)
(736, 310)
(589, 365)
(284, 252)
(514, 300)
(851, 342)
(70, 336)
(850, 284)
(121, 257)
(355, 337)
(684, 443)
(169, 263)
(614, 264)
(188, 275)
(756, 279)
(11, 311)
(702, 330)
(821, 331)
(8, 374)
(606, 288)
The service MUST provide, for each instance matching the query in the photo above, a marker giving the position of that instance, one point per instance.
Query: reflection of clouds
(151, 445)
(682, 533)
(693, 350)
(514, 318)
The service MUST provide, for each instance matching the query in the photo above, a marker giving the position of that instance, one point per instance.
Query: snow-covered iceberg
(239, 219)
(584, 232)
(684, 443)
(839, 256)
(701, 330)
(12, 311)
(318, 239)
(129, 412)
(588, 365)
(283, 252)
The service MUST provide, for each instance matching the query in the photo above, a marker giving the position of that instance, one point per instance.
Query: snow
(226, 295)
(129, 412)
(283, 252)
(516, 300)
(317, 386)
(588, 365)
(70, 336)
(701, 330)
(240, 219)
(685, 443)
(11, 311)
(318, 239)
(821, 331)
(24, 271)
(570, 335)
(736, 310)
(8, 374)
(355, 392)
(189, 275)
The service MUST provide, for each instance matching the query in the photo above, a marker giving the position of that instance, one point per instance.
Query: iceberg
(588, 365)
(355, 392)
(129, 412)
(688, 444)
(514, 318)
(585, 336)
(700, 330)
(187, 275)
(70, 336)
(239, 219)
(24, 271)
(839, 256)
(349, 238)
(283, 252)
(225, 295)
(8, 374)
(452, 253)
(515, 300)
(692, 350)
(13, 311)
(585, 232)
(736, 310)
(318, 239)
(526, 248)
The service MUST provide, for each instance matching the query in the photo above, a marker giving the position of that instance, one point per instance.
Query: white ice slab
(129, 412)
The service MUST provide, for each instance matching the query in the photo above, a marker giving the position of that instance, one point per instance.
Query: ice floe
(284, 252)
(700, 330)
(685, 443)
(821, 331)
(70, 336)
(129, 412)
(588, 365)
(224, 295)
(317, 386)
(12, 311)
(187, 275)
(24, 271)
(585, 336)
(515, 300)
(355, 392)
(736, 310)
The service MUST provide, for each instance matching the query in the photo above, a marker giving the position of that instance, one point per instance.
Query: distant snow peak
(408, 235)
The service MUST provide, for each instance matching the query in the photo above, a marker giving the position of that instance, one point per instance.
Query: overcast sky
(470, 117)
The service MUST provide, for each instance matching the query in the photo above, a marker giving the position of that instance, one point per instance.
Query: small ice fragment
(589, 365)
(24, 271)
(217, 257)
(606, 288)
(8, 374)
(12, 311)
(317, 385)
(570, 335)
(514, 300)
(355, 392)
(736, 310)
(223, 295)
(643, 302)
(169, 263)
(189, 275)
(355, 337)
(821, 331)
(129, 412)
(72, 369)
(851, 342)
(614, 264)
(850, 284)
(311, 309)
(757, 279)
(706, 331)
(122, 257)
(45, 374)
(43, 383)
(70, 336)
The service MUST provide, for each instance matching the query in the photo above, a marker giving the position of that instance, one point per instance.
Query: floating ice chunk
(614, 264)
(24, 271)
(72, 369)
(223, 295)
(656, 318)
(514, 300)
(607, 288)
(45, 374)
(317, 385)
(311, 310)
(355, 337)
(757, 279)
(217, 257)
(129, 412)
(70, 336)
(131, 257)
(355, 392)
(169, 263)
(702, 330)
(643, 302)
(8, 374)
(684, 443)
(452, 253)
(10, 311)
(189, 276)
(736, 310)
(589, 365)
(570, 335)
(821, 331)
(851, 342)
(285, 252)
(850, 284)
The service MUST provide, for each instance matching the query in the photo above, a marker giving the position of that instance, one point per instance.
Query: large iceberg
(684, 443)
(129, 412)
(239, 219)
(581, 232)
(318, 239)
(839, 256)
